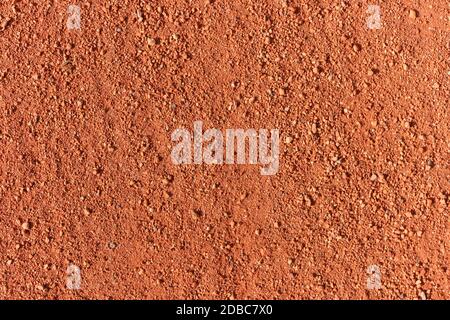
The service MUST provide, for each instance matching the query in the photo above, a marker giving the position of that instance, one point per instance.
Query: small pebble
(422, 295)
(196, 214)
(112, 245)
(429, 164)
(308, 201)
(26, 226)
(140, 16)
(413, 14)
(40, 287)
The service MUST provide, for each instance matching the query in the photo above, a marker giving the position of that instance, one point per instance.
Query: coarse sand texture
(224, 149)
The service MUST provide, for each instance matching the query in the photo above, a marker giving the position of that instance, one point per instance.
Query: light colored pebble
(413, 14)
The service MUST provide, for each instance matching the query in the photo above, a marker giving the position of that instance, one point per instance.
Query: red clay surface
(86, 176)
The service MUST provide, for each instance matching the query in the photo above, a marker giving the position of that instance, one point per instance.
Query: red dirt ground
(86, 178)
